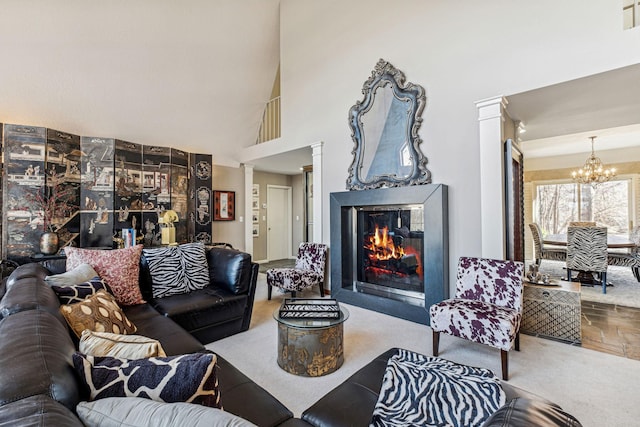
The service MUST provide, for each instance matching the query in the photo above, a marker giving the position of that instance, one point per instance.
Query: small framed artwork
(224, 205)
(256, 230)
(255, 191)
(255, 217)
(255, 203)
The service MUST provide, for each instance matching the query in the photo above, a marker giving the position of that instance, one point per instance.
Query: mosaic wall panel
(114, 185)
(24, 180)
(127, 202)
(200, 198)
(97, 185)
(179, 191)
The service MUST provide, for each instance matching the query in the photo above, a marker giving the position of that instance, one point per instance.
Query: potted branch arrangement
(53, 204)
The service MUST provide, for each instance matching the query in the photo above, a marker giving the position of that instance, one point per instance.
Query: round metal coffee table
(310, 347)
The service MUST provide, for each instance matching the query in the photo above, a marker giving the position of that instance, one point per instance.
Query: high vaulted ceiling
(192, 74)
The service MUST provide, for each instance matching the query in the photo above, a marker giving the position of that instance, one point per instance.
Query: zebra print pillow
(187, 378)
(429, 391)
(167, 272)
(177, 269)
(196, 266)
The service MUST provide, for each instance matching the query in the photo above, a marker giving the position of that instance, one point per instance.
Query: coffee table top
(311, 323)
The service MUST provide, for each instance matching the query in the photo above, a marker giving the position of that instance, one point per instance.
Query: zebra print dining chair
(587, 251)
(487, 307)
(542, 251)
(628, 259)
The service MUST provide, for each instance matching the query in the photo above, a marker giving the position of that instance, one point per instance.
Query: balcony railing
(270, 127)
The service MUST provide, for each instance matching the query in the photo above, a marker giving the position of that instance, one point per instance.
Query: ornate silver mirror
(384, 129)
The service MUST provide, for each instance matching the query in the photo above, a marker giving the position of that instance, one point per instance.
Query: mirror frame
(385, 74)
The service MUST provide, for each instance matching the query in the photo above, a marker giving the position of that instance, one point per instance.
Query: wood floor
(611, 329)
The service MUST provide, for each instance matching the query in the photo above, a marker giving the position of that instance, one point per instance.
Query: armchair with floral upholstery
(487, 307)
(308, 271)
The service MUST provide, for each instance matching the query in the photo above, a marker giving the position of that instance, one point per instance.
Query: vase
(49, 243)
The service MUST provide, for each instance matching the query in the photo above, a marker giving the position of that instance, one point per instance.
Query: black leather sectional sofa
(38, 386)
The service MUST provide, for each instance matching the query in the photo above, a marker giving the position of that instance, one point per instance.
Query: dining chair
(628, 259)
(545, 252)
(308, 271)
(587, 251)
(582, 224)
(487, 307)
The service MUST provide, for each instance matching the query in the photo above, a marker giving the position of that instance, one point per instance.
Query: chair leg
(269, 292)
(504, 355)
(322, 289)
(436, 342)
(568, 274)
(636, 273)
(293, 294)
(517, 343)
(603, 279)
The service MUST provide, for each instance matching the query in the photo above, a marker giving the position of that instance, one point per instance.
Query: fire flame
(382, 247)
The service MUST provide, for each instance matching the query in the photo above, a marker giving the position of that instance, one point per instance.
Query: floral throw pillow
(119, 268)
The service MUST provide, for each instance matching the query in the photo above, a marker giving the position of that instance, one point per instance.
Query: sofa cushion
(36, 351)
(102, 344)
(177, 269)
(138, 412)
(523, 412)
(120, 269)
(99, 313)
(174, 339)
(202, 308)
(229, 269)
(426, 390)
(187, 378)
(79, 274)
(37, 411)
(29, 293)
(167, 271)
(71, 294)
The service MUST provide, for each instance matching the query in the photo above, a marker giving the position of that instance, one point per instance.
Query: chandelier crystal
(593, 172)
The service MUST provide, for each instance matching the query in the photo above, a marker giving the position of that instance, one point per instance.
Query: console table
(552, 311)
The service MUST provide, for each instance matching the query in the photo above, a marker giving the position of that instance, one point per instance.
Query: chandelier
(593, 172)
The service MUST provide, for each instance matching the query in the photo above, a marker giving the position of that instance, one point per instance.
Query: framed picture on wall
(224, 205)
(255, 203)
(255, 191)
(256, 230)
(255, 217)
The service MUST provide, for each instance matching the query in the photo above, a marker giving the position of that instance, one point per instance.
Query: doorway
(279, 207)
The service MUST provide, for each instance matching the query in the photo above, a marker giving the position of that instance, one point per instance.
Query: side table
(552, 311)
(310, 347)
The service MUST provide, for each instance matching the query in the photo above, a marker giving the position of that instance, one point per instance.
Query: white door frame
(270, 217)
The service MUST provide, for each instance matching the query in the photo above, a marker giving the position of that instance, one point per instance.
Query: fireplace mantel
(433, 200)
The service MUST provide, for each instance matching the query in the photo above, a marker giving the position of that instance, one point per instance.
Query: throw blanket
(420, 390)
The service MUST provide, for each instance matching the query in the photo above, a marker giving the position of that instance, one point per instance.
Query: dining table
(614, 241)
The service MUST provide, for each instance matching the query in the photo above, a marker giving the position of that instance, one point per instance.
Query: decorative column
(317, 191)
(248, 210)
(491, 114)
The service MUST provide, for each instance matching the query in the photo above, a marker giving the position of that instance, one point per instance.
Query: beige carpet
(625, 290)
(598, 388)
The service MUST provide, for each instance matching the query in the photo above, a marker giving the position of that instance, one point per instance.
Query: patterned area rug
(625, 290)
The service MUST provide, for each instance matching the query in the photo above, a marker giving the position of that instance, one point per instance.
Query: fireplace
(389, 249)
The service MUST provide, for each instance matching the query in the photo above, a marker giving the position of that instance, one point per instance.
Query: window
(608, 204)
(631, 13)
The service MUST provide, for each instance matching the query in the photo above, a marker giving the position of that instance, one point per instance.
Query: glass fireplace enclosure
(389, 249)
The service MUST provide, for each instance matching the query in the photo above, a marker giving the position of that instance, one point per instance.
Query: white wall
(460, 52)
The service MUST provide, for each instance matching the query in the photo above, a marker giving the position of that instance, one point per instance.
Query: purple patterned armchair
(309, 271)
(487, 307)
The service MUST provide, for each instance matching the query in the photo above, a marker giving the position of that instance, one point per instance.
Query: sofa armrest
(230, 269)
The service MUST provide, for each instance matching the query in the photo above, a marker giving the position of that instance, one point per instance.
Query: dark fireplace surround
(425, 256)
